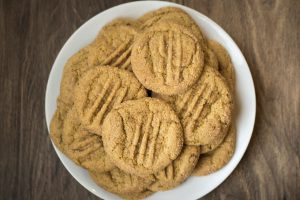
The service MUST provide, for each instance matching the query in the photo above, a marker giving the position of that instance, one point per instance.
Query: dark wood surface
(33, 31)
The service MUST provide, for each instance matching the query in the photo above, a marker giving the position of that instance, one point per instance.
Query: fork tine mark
(156, 124)
(181, 104)
(135, 138)
(177, 63)
(109, 100)
(169, 59)
(194, 100)
(118, 51)
(122, 57)
(96, 106)
(141, 153)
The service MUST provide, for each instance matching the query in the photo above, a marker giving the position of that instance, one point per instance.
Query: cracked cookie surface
(142, 136)
(99, 90)
(167, 58)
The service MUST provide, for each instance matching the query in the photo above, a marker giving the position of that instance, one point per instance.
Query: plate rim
(161, 4)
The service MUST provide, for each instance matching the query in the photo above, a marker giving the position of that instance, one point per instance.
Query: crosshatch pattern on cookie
(205, 110)
(142, 136)
(100, 89)
(113, 44)
(83, 147)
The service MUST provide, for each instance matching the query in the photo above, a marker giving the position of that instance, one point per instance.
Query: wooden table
(33, 31)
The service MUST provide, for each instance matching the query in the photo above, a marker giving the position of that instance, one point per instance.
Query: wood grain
(31, 35)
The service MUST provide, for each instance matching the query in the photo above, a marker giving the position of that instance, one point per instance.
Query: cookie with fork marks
(142, 136)
(113, 44)
(99, 89)
(167, 58)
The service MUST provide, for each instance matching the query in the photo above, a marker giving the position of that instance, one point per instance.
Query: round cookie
(137, 195)
(178, 171)
(114, 43)
(56, 125)
(84, 148)
(226, 69)
(99, 90)
(150, 19)
(215, 160)
(120, 182)
(142, 136)
(167, 58)
(74, 68)
(225, 64)
(205, 110)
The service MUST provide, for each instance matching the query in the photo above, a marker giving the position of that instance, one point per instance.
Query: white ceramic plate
(194, 187)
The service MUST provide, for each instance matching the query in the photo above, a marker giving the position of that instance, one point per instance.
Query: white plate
(194, 187)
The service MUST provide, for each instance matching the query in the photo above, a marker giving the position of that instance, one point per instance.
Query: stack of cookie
(147, 104)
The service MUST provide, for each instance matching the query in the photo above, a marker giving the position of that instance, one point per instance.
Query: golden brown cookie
(137, 195)
(213, 145)
(56, 125)
(205, 110)
(178, 171)
(99, 89)
(114, 43)
(225, 64)
(150, 19)
(84, 148)
(120, 182)
(142, 136)
(215, 160)
(226, 69)
(167, 58)
(211, 59)
(74, 68)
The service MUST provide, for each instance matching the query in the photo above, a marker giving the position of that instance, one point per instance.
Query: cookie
(114, 43)
(213, 145)
(99, 89)
(178, 171)
(225, 64)
(74, 68)
(211, 59)
(142, 136)
(167, 58)
(84, 148)
(205, 110)
(226, 69)
(137, 195)
(215, 160)
(150, 19)
(120, 182)
(57, 122)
